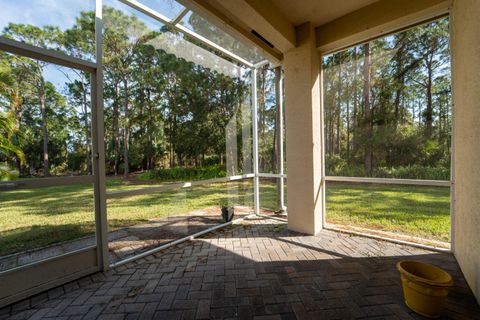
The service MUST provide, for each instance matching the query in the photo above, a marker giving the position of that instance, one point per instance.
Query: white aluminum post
(322, 143)
(99, 145)
(279, 98)
(256, 196)
(452, 152)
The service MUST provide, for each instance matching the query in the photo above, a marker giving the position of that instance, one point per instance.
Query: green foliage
(185, 174)
(7, 131)
(388, 105)
(337, 166)
(414, 172)
(160, 110)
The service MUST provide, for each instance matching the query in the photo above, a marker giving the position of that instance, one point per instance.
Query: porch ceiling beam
(239, 18)
(379, 18)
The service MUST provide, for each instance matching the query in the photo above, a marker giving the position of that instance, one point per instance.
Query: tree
(41, 38)
(7, 147)
(402, 85)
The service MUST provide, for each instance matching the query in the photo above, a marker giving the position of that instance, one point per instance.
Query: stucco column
(303, 133)
(465, 44)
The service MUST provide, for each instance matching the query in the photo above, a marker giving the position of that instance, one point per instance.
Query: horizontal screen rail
(411, 182)
(46, 55)
(272, 175)
(44, 182)
(172, 186)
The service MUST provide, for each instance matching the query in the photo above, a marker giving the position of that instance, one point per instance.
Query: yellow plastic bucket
(425, 287)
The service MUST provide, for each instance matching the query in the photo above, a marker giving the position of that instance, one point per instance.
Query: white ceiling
(317, 11)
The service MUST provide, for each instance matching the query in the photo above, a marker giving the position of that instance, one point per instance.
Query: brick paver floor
(257, 269)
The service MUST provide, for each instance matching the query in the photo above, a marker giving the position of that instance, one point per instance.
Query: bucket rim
(413, 277)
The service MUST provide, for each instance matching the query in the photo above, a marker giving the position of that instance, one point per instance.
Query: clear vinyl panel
(388, 114)
(271, 140)
(176, 115)
(168, 8)
(216, 203)
(272, 200)
(67, 26)
(141, 222)
(268, 122)
(201, 26)
(138, 223)
(45, 130)
(42, 223)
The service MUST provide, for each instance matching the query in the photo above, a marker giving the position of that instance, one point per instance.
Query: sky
(60, 13)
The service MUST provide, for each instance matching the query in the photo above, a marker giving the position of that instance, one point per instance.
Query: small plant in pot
(227, 212)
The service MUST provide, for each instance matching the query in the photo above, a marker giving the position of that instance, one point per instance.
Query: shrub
(185, 174)
(414, 172)
(341, 168)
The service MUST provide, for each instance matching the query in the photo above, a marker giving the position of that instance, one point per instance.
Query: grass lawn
(414, 210)
(39, 217)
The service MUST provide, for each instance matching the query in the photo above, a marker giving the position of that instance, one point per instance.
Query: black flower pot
(227, 214)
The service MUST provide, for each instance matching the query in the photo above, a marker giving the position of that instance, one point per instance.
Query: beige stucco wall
(302, 116)
(465, 45)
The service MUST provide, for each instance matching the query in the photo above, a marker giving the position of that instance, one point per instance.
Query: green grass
(39, 217)
(420, 211)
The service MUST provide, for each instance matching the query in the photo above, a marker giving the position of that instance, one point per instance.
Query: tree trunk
(172, 137)
(367, 112)
(330, 122)
(339, 108)
(116, 130)
(149, 134)
(43, 111)
(429, 107)
(355, 104)
(348, 122)
(127, 130)
(87, 127)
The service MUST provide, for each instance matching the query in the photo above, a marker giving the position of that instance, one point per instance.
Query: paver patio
(255, 269)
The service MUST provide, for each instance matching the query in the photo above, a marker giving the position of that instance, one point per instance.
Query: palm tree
(8, 124)
(7, 130)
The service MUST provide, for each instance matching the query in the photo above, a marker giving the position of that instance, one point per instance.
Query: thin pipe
(173, 243)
